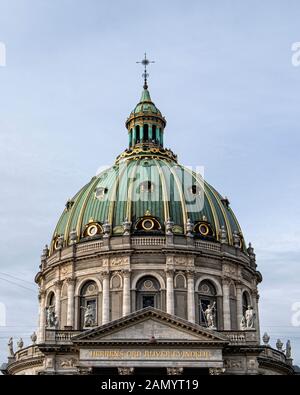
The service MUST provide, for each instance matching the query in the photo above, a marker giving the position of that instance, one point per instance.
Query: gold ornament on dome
(148, 224)
(92, 229)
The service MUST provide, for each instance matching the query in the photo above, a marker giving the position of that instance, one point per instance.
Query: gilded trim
(129, 191)
(211, 205)
(182, 197)
(164, 191)
(67, 228)
(229, 230)
(82, 210)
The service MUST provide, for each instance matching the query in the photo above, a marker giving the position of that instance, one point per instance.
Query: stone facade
(148, 273)
(112, 278)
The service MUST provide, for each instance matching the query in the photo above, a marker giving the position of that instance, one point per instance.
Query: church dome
(147, 192)
(148, 268)
(145, 105)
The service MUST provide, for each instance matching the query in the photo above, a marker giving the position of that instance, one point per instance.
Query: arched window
(51, 317)
(137, 133)
(88, 305)
(246, 302)
(148, 293)
(154, 137)
(207, 297)
(180, 281)
(51, 299)
(146, 133)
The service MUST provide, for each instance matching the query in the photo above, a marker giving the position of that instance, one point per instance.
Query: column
(150, 132)
(239, 304)
(170, 291)
(126, 292)
(42, 316)
(161, 137)
(190, 296)
(141, 133)
(133, 136)
(58, 285)
(70, 308)
(158, 135)
(130, 138)
(226, 306)
(105, 298)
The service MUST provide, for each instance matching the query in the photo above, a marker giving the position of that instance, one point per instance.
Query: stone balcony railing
(140, 242)
(28, 353)
(59, 336)
(236, 338)
(148, 241)
(276, 355)
(239, 338)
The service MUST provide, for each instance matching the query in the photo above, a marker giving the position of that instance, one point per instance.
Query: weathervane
(145, 62)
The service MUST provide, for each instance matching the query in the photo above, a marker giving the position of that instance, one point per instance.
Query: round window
(92, 230)
(204, 229)
(148, 224)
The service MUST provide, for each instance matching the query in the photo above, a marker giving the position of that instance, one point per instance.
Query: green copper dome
(146, 105)
(147, 192)
(141, 187)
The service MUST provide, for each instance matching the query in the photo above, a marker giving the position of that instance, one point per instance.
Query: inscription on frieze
(153, 354)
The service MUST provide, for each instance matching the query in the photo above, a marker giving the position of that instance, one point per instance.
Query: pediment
(150, 325)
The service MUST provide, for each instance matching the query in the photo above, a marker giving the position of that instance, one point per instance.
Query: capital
(190, 274)
(42, 294)
(169, 272)
(70, 281)
(105, 275)
(126, 272)
(58, 284)
(226, 281)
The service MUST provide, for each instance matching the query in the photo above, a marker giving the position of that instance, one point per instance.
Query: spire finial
(145, 62)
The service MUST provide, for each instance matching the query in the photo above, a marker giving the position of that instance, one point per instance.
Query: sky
(225, 81)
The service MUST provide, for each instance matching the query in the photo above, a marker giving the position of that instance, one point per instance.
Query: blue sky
(223, 78)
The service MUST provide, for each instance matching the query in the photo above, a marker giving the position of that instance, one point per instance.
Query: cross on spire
(145, 62)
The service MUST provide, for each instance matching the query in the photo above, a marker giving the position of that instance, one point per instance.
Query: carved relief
(66, 270)
(252, 364)
(105, 262)
(68, 363)
(119, 261)
(216, 371)
(233, 364)
(174, 371)
(190, 261)
(169, 260)
(230, 270)
(125, 371)
(180, 260)
(49, 363)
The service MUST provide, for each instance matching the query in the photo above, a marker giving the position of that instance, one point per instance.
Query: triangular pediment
(150, 325)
